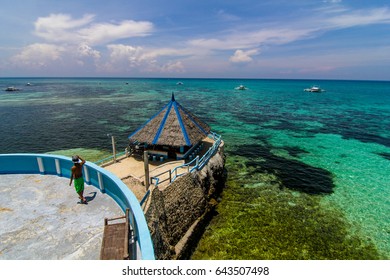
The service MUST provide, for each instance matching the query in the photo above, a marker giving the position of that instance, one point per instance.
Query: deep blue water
(335, 143)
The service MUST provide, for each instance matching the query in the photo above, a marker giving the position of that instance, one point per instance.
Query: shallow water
(331, 150)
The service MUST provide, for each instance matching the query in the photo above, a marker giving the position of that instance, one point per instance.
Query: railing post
(40, 165)
(86, 174)
(146, 167)
(58, 167)
(101, 185)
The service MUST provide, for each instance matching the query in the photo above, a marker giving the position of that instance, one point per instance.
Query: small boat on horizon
(179, 83)
(314, 89)
(241, 87)
(12, 89)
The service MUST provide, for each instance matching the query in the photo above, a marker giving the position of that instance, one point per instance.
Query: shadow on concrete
(91, 197)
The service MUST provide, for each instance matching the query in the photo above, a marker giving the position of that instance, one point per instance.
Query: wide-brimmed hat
(76, 159)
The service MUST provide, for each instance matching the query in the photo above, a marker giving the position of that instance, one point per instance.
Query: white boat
(241, 87)
(314, 89)
(179, 83)
(11, 89)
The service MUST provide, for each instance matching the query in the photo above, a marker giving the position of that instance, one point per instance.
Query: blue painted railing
(94, 175)
(196, 164)
(205, 158)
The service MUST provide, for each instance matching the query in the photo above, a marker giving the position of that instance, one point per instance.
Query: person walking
(77, 177)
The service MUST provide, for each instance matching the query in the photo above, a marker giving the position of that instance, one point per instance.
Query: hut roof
(172, 126)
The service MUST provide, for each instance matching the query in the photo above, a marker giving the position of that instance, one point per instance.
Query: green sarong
(79, 184)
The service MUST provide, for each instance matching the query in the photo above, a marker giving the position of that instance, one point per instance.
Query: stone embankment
(178, 214)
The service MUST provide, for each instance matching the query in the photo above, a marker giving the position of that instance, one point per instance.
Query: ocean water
(308, 173)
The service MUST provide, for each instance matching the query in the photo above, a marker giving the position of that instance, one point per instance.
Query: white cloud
(253, 39)
(279, 33)
(61, 28)
(106, 32)
(241, 56)
(38, 55)
(124, 55)
(73, 41)
(332, 1)
(153, 66)
(359, 18)
(86, 51)
(83, 40)
(173, 67)
(120, 52)
(167, 52)
(223, 15)
(61, 22)
(126, 58)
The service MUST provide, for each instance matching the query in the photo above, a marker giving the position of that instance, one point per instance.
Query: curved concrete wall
(93, 175)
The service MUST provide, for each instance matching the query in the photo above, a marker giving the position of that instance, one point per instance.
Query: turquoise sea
(308, 173)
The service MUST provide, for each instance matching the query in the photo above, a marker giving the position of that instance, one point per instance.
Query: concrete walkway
(41, 219)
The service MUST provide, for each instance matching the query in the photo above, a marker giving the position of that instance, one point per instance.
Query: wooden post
(146, 166)
(113, 147)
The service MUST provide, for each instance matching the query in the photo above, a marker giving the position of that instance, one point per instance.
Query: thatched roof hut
(172, 127)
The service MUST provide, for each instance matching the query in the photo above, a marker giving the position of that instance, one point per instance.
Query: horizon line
(187, 78)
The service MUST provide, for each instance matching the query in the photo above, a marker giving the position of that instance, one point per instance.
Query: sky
(285, 39)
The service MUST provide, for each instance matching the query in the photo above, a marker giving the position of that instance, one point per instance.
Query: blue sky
(314, 39)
